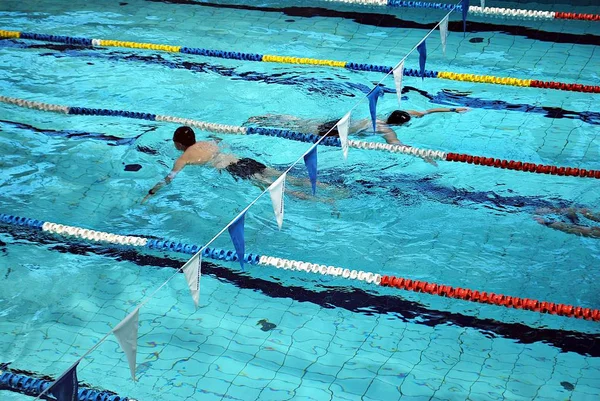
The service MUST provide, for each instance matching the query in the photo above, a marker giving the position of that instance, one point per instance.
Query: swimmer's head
(398, 117)
(184, 137)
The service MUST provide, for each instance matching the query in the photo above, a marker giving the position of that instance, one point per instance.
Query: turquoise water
(459, 225)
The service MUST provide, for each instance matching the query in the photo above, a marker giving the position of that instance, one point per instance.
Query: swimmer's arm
(179, 165)
(388, 133)
(438, 110)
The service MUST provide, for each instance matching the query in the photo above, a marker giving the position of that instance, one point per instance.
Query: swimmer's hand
(150, 193)
(462, 109)
(429, 160)
(542, 220)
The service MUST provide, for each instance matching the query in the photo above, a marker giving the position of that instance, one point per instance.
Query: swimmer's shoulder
(200, 152)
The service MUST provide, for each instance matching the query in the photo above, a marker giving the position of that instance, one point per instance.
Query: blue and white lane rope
(174, 246)
(287, 264)
(33, 386)
(227, 129)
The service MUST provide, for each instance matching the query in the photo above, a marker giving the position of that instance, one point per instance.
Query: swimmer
(208, 153)
(574, 225)
(359, 127)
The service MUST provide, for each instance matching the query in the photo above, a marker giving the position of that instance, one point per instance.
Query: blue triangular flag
(310, 159)
(422, 48)
(373, 96)
(236, 232)
(465, 10)
(66, 387)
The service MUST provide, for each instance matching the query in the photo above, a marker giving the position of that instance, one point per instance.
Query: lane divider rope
(488, 79)
(312, 138)
(31, 386)
(495, 12)
(315, 268)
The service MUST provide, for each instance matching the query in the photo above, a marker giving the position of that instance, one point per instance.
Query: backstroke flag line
(310, 159)
(236, 232)
(66, 387)
(422, 48)
(192, 271)
(127, 333)
(398, 74)
(342, 127)
(444, 33)
(373, 97)
(276, 191)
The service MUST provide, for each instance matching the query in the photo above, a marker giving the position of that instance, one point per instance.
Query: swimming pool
(267, 333)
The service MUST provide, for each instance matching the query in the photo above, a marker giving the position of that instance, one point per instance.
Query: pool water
(267, 333)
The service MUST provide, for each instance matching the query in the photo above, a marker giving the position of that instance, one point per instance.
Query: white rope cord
(407, 150)
(221, 128)
(97, 236)
(34, 105)
(511, 13)
(380, 3)
(288, 264)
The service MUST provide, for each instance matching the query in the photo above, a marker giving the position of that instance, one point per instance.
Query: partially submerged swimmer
(208, 153)
(573, 225)
(383, 127)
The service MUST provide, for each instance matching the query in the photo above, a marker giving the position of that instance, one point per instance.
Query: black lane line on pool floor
(349, 298)
(390, 21)
(110, 140)
(325, 87)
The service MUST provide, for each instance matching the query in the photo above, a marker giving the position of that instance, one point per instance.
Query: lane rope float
(401, 283)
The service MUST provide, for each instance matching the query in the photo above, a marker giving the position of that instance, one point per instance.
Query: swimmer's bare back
(199, 153)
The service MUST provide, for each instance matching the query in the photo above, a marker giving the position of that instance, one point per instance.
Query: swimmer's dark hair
(185, 136)
(398, 117)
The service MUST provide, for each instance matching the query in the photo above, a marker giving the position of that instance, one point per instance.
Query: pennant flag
(192, 270)
(66, 387)
(310, 159)
(482, 4)
(444, 33)
(236, 232)
(342, 127)
(398, 74)
(373, 97)
(127, 333)
(422, 48)
(276, 191)
(465, 10)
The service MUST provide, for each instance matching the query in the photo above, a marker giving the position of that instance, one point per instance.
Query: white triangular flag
(444, 33)
(276, 191)
(342, 127)
(127, 333)
(192, 270)
(398, 73)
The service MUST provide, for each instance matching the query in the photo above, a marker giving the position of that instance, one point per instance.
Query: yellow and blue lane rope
(489, 79)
